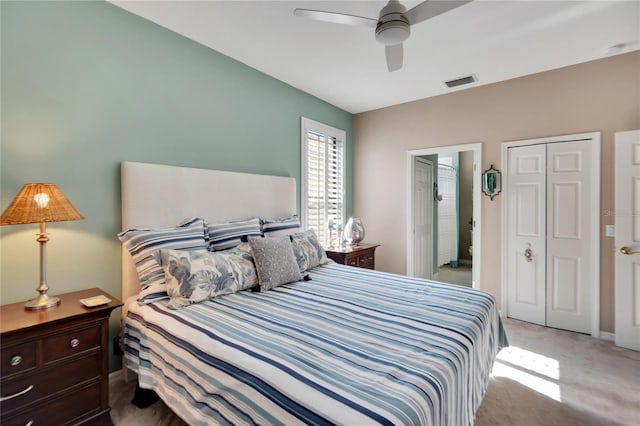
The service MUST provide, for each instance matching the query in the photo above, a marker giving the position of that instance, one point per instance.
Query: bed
(350, 346)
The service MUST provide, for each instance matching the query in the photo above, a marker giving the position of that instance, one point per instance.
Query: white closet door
(527, 233)
(423, 218)
(627, 170)
(569, 239)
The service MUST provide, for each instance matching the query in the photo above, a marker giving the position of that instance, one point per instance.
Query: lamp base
(41, 302)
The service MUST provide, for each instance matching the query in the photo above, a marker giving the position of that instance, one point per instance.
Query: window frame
(308, 125)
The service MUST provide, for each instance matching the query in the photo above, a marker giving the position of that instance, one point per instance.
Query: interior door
(526, 233)
(627, 240)
(569, 239)
(423, 218)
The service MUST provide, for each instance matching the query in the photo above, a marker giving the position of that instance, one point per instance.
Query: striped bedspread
(350, 347)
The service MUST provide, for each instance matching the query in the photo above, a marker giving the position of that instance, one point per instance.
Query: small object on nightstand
(360, 256)
(90, 302)
(354, 231)
(54, 363)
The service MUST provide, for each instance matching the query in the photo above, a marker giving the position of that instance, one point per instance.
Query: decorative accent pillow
(275, 262)
(282, 226)
(142, 242)
(195, 276)
(223, 236)
(307, 250)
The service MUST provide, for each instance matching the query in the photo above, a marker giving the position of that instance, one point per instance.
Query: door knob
(628, 250)
(528, 254)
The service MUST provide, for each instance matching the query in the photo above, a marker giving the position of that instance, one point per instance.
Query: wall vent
(461, 81)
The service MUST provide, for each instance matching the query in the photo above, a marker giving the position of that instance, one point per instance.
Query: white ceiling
(345, 66)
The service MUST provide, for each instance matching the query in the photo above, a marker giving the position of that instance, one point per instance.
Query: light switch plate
(610, 231)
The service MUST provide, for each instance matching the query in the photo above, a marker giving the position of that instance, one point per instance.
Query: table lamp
(40, 203)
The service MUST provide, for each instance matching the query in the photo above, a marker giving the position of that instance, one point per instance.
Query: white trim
(605, 335)
(477, 206)
(307, 124)
(595, 206)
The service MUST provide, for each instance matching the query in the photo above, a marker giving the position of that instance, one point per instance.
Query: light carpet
(546, 377)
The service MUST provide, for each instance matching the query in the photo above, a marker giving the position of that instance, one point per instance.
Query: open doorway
(453, 255)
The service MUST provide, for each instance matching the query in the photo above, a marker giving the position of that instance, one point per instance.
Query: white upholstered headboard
(155, 196)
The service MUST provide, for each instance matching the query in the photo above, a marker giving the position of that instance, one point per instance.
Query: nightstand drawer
(366, 261)
(360, 256)
(18, 358)
(42, 384)
(59, 411)
(70, 342)
(62, 377)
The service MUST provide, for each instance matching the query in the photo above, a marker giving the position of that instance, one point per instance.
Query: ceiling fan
(393, 25)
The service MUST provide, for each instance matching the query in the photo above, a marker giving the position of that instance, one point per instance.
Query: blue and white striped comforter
(351, 347)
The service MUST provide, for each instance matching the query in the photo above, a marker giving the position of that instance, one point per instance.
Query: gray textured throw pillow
(275, 262)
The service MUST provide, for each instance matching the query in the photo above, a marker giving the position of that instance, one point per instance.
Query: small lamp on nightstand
(40, 203)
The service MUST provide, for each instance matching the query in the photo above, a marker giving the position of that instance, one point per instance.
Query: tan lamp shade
(37, 203)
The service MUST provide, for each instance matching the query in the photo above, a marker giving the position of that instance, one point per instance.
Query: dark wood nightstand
(55, 362)
(361, 256)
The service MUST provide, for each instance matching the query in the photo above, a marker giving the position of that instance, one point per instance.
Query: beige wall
(602, 95)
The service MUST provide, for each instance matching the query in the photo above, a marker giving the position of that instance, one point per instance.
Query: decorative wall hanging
(491, 182)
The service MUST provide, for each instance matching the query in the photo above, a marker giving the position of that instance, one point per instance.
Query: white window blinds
(323, 152)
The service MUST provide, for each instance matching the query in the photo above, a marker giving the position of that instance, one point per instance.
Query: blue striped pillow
(142, 243)
(223, 236)
(282, 226)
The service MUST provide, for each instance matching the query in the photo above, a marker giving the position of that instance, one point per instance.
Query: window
(323, 153)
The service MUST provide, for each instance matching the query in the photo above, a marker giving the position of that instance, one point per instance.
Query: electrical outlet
(610, 231)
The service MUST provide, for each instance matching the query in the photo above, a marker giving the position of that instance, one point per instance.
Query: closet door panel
(569, 241)
(527, 233)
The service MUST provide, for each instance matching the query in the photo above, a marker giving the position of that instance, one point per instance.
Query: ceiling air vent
(461, 81)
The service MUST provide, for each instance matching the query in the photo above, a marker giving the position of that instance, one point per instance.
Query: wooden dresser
(54, 362)
(360, 256)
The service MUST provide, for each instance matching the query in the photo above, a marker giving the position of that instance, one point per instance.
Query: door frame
(477, 210)
(595, 226)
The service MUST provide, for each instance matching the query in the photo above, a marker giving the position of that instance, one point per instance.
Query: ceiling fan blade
(337, 18)
(394, 55)
(429, 9)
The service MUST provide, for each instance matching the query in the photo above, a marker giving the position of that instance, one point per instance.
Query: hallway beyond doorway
(460, 275)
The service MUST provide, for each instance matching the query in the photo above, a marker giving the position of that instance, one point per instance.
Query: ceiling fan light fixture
(393, 27)
(392, 32)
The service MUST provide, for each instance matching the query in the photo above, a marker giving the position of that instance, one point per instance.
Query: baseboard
(116, 375)
(605, 335)
(465, 262)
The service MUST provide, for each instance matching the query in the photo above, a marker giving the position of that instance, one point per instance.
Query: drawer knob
(16, 360)
(74, 343)
(15, 395)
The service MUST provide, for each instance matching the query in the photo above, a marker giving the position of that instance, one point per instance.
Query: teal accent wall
(86, 85)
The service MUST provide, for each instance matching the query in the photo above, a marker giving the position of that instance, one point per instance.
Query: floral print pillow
(308, 251)
(196, 276)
